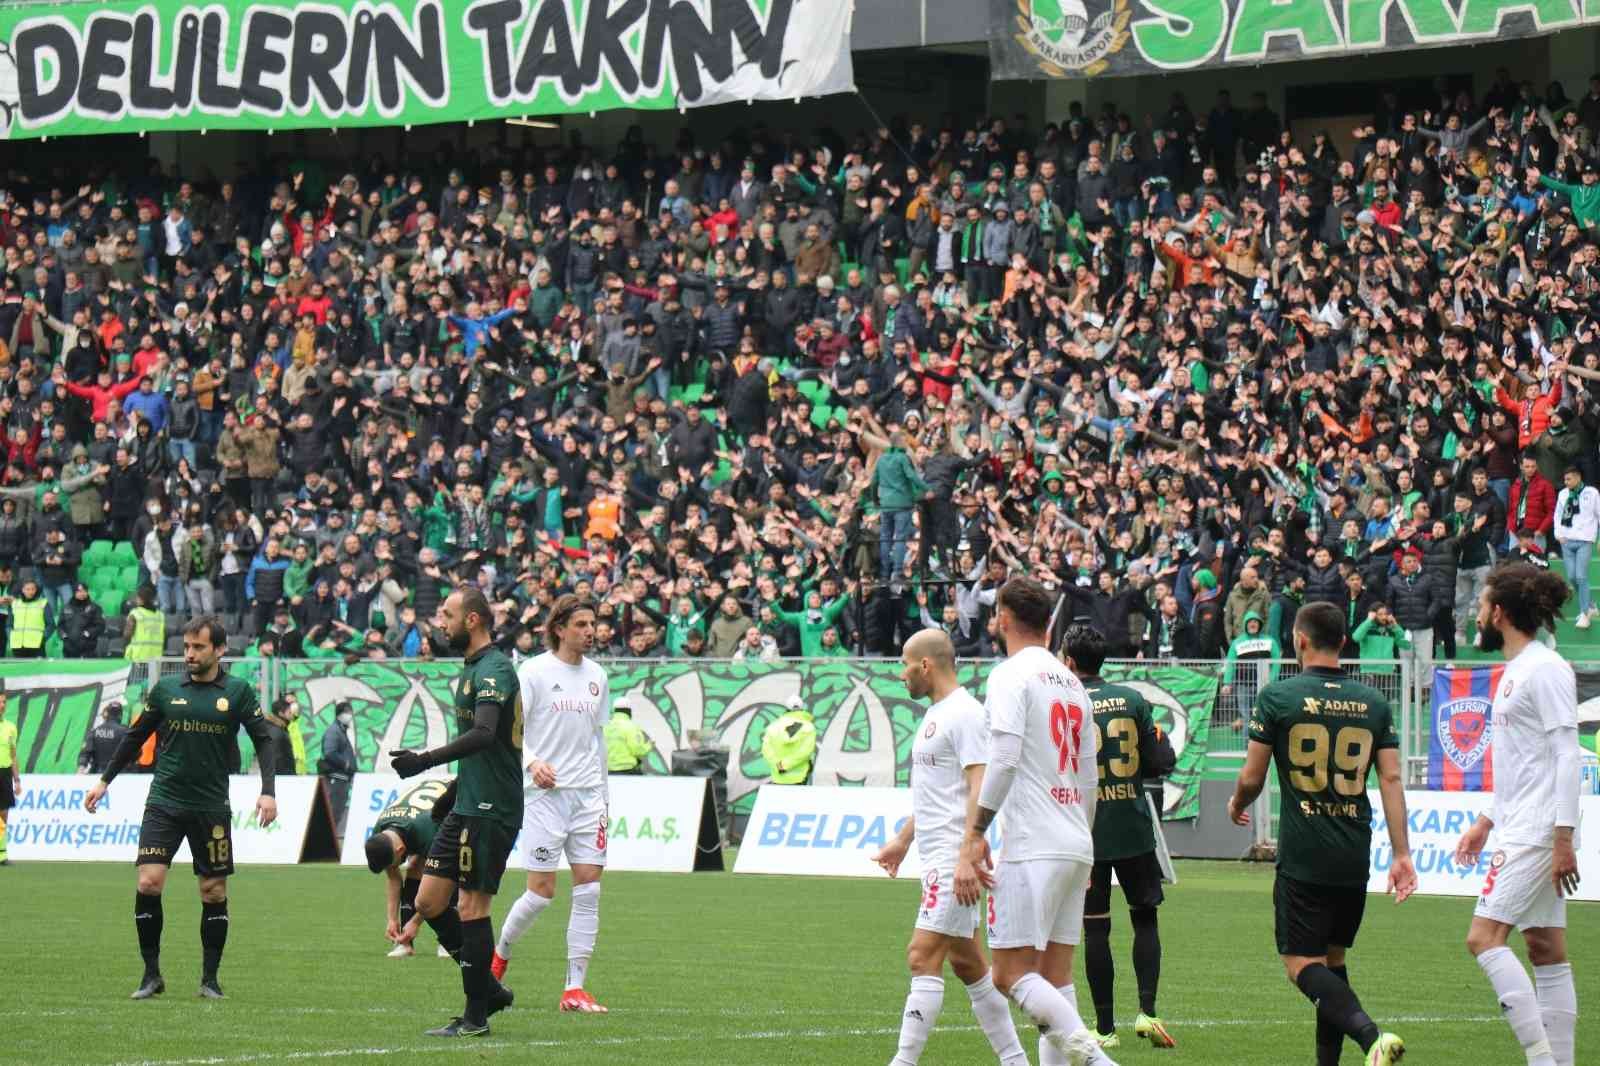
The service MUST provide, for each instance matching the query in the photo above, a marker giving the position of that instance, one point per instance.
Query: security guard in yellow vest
(626, 744)
(31, 619)
(145, 630)
(790, 745)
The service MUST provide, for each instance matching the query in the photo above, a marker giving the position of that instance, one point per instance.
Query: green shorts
(472, 852)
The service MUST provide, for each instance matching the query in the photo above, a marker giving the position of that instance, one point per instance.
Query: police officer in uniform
(101, 743)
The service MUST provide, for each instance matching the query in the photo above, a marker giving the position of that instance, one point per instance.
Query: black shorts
(8, 797)
(472, 852)
(1139, 876)
(210, 837)
(1313, 918)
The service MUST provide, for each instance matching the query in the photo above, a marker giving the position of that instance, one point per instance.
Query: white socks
(1056, 1017)
(1515, 992)
(583, 927)
(994, 1016)
(1558, 1007)
(922, 1010)
(528, 906)
(1048, 1054)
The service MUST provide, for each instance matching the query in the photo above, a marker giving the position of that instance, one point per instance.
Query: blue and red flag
(1460, 742)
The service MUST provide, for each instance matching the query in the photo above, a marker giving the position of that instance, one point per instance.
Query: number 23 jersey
(1324, 730)
(1049, 812)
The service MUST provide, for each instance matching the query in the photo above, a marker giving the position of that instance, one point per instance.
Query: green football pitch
(706, 968)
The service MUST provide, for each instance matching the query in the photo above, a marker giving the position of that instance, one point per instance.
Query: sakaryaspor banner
(127, 66)
(1086, 38)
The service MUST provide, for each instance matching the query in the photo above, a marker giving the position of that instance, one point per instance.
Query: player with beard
(1041, 775)
(470, 849)
(1537, 780)
(947, 760)
(197, 717)
(567, 699)
(1326, 733)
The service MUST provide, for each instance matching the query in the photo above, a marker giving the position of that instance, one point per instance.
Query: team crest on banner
(1461, 743)
(1464, 728)
(1060, 36)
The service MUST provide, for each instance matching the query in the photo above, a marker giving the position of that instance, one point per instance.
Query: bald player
(947, 760)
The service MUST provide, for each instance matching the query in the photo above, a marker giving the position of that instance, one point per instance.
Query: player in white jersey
(1537, 775)
(565, 701)
(947, 760)
(1042, 775)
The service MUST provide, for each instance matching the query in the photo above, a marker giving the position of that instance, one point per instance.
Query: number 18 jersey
(1324, 730)
(1049, 812)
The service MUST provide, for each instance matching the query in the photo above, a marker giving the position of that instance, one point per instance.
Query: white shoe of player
(1583, 621)
(443, 954)
(402, 951)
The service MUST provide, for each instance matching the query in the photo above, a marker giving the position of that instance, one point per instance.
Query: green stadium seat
(902, 269)
(572, 542)
(820, 415)
(98, 553)
(815, 391)
(675, 394)
(723, 472)
(693, 393)
(123, 555)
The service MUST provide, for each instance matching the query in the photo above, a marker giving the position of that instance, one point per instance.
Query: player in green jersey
(1325, 732)
(1131, 750)
(470, 850)
(399, 843)
(197, 716)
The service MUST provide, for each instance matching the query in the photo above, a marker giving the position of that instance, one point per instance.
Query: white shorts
(570, 821)
(938, 911)
(1037, 902)
(1519, 890)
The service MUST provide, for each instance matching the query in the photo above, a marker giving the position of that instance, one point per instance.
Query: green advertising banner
(865, 721)
(123, 66)
(1088, 38)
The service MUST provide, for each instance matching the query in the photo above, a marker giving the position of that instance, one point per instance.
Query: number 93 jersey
(1049, 812)
(1324, 730)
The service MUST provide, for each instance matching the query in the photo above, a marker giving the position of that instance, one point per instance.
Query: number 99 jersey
(1048, 813)
(1324, 730)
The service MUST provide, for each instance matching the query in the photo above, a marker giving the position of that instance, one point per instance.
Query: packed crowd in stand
(802, 394)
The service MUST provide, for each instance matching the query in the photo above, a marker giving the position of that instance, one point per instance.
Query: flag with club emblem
(1461, 740)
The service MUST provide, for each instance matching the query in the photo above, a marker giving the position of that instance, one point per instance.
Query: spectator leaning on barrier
(789, 745)
(1413, 598)
(1380, 637)
(1577, 525)
(1251, 662)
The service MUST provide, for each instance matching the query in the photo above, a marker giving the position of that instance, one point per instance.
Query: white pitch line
(473, 1046)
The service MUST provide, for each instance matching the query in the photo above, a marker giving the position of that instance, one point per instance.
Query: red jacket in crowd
(1540, 515)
